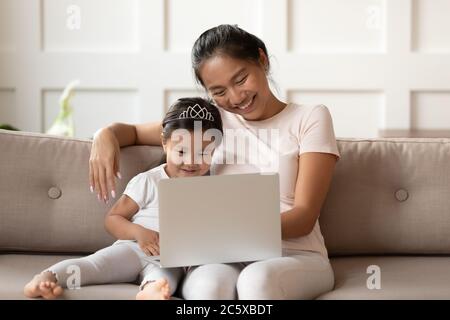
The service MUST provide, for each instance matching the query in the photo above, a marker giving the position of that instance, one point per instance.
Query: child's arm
(118, 224)
(117, 221)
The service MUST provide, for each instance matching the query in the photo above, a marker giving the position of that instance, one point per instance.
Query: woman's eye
(180, 152)
(242, 80)
(219, 94)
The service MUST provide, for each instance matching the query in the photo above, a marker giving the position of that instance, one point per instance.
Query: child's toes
(160, 283)
(46, 292)
(44, 287)
(57, 290)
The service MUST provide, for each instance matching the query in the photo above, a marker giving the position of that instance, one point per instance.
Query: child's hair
(185, 112)
(229, 40)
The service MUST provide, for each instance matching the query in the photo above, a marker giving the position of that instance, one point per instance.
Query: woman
(232, 65)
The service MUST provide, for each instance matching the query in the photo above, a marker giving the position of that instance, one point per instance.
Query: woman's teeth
(246, 105)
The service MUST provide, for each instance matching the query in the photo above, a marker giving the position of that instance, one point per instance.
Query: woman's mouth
(248, 107)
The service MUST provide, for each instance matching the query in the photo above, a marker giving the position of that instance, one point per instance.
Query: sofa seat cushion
(418, 277)
(402, 277)
(17, 269)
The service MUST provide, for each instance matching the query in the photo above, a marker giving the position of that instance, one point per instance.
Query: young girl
(134, 217)
(233, 66)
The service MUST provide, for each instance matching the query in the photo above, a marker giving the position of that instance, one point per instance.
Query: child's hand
(148, 241)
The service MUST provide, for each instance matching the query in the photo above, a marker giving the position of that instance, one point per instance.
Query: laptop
(219, 219)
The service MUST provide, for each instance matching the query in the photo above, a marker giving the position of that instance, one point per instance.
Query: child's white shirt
(143, 189)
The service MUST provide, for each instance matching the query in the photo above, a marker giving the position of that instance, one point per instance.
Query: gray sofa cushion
(401, 278)
(46, 205)
(365, 211)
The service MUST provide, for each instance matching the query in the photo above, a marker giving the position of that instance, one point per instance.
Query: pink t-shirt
(274, 145)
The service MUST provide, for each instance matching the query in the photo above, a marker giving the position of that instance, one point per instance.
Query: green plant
(6, 126)
(63, 124)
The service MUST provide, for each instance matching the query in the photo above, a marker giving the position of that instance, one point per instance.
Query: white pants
(296, 275)
(119, 263)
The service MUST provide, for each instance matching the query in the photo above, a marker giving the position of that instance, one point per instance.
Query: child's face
(186, 157)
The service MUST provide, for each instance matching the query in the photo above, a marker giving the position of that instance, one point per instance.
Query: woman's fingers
(96, 182)
(111, 181)
(91, 177)
(104, 164)
(103, 187)
(117, 165)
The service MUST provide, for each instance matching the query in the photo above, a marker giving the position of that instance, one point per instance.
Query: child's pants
(296, 275)
(122, 262)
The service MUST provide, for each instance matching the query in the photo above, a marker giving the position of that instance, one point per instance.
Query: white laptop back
(219, 219)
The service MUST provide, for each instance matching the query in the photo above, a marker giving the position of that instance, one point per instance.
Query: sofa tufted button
(54, 193)
(401, 195)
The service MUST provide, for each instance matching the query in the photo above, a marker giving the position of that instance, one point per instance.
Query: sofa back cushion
(389, 196)
(45, 202)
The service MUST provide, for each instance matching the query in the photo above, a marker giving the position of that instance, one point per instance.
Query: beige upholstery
(46, 205)
(401, 278)
(388, 198)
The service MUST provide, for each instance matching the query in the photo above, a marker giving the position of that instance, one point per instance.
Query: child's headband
(196, 112)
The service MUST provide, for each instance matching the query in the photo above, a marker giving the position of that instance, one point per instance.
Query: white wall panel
(171, 95)
(355, 114)
(430, 110)
(7, 13)
(90, 25)
(431, 25)
(8, 107)
(336, 26)
(186, 20)
(385, 63)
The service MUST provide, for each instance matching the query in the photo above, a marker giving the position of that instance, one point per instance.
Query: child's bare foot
(43, 285)
(156, 290)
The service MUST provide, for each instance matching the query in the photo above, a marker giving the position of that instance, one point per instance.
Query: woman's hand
(104, 164)
(148, 241)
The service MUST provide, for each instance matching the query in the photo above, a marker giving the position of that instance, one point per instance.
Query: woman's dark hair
(228, 40)
(184, 112)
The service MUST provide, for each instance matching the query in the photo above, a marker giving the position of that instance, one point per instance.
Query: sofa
(385, 221)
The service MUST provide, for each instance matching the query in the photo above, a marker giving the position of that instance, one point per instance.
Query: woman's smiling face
(238, 86)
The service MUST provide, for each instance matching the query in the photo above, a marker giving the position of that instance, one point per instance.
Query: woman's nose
(236, 97)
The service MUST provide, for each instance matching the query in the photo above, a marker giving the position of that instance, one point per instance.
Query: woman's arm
(118, 224)
(313, 181)
(105, 153)
(139, 134)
